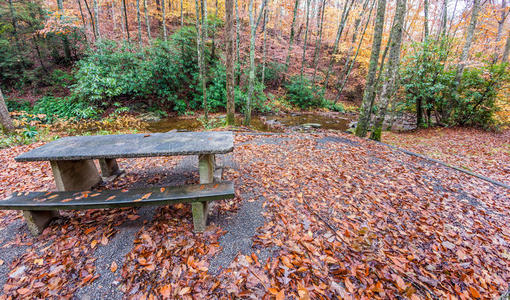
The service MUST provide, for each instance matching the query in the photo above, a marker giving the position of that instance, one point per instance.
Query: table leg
(69, 175)
(109, 167)
(206, 165)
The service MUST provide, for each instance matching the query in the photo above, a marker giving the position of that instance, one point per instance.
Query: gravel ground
(240, 227)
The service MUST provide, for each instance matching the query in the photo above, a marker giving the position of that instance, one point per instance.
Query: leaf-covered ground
(482, 152)
(342, 217)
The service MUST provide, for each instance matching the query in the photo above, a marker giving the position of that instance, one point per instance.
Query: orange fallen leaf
(184, 291)
(280, 295)
(165, 291)
(474, 292)
(113, 267)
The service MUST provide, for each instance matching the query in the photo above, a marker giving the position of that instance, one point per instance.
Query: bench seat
(37, 206)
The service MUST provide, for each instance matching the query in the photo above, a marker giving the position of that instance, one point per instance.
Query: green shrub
(18, 105)
(274, 72)
(64, 108)
(216, 90)
(475, 104)
(110, 71)
(301, 93)
(338, 107)
(61, 79)
(13, 70)
(427, 80)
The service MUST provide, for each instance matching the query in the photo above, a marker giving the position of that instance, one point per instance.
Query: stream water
(274, 123)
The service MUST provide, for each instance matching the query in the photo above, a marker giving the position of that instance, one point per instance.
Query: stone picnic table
(74, 170)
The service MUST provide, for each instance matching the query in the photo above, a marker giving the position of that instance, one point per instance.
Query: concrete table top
(132, 145)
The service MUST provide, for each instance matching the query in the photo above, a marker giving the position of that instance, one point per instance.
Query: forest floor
(315, 215)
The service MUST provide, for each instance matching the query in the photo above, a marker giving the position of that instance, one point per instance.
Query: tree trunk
(165, 37)
(368, 95)
(238, 50)
(147, 21)
(91, 19)
(139, 20)
(229, 60)
(291, 39)
(38, 51)
(391, 70)
(126, 20)
(341, 26)
(96, 18)
(5, 119)
(426, 20)
(65, 40)
(83, 20)
(444, 18)
(504, 59)
(251, 79)
(264, 46)
(501, 25)
(357, 23)
(318, 42)
(199, 8)
(182, 15)
(306, 37)
(15, 32)
(467, 45)
(349, 69)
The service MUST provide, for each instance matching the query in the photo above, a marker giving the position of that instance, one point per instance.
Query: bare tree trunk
(467, 45)
(147, 21)
(182, 15)
(291, 39)
(139, 20)
(251, 79)
(357, 23)
(504, 59)
(238, 50)
(426, 20)
(229, 60)
(91, 19)
(318, 42)
(444, 18)
(349, 69)
(96, 18)
(501, 23)
(83, 21)
(15, 29)
(341, 26)
(306, 37)
(126, 20)
(5, 119)
(164, 20)
(391, 70)
(65, 40)
(264, 46)
(368, 95)
(199, 8)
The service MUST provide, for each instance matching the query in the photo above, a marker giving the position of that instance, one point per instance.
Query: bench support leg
(37, 220)
(75, 175)
(206, 165)
(109, 167)
(199, 210)
(69, 175)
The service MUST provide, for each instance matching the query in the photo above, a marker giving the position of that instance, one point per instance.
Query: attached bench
(40, 207)
(74, 171)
